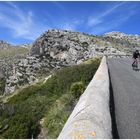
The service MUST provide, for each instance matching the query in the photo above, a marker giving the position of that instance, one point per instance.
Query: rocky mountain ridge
(122, 36)
(4, 45)
(9, 54)
(61, 48)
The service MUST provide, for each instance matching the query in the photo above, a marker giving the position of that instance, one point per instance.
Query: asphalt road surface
(126, 90)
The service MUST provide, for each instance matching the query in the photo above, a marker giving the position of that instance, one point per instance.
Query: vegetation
(53, 100)
(58, 114)
(77, 89)
(84, 44)
(13, 51)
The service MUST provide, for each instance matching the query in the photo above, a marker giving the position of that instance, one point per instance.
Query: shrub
(84, 44)
(77, 89)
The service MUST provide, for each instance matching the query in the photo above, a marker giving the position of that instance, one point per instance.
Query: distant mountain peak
(130, 38)
(4, 45)
(120, 34)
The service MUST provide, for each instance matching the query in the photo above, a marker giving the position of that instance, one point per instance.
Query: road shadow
(115, 133)
(136, 69)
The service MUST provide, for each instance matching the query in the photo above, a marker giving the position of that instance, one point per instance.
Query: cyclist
(136, 55)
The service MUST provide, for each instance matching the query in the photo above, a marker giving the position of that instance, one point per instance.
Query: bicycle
(135, 64)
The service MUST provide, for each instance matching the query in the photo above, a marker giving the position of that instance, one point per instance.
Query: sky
(24, 21)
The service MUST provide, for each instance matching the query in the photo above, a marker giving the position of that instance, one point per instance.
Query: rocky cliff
(60, 48)
(73, 47)
(135, 39)
(10, 54)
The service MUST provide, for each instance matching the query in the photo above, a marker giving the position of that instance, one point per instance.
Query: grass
(6, 98)
(58, 114)
(12, 51)
(53, 100)
(92, 60)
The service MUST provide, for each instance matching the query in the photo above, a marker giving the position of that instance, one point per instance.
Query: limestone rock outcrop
(61, 48)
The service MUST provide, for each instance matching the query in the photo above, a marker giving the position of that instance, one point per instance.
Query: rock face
(23, 71)
(72, 47)
(10, 54)
(4, 45)
(122, 36)
(60, 48)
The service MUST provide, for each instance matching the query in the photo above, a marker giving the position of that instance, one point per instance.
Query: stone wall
(91, 116)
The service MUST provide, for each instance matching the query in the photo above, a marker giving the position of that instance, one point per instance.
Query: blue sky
(23, 22)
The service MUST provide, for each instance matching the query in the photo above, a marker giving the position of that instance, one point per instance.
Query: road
(126, 92)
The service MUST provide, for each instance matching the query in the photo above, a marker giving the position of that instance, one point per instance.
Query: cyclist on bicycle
(136, 55)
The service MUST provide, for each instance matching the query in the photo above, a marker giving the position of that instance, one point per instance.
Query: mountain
(8, 50)
(42, 80)
(9, 54)
(55, 49)
(135, 39)
(4, 45)
(63, 44)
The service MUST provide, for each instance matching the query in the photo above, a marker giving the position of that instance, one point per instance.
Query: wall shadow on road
(115, 133)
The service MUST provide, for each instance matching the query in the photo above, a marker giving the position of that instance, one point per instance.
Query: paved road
(126, 91)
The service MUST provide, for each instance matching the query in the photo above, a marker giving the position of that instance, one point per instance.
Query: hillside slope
(21, 114)
(8, 50)
(135, 39)
(9, 54)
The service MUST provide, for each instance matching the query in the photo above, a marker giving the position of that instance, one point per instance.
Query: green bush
(22, 126)
(84, 44)
(77, 89)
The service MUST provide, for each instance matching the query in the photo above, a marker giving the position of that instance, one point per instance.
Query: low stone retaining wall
(91, 116)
